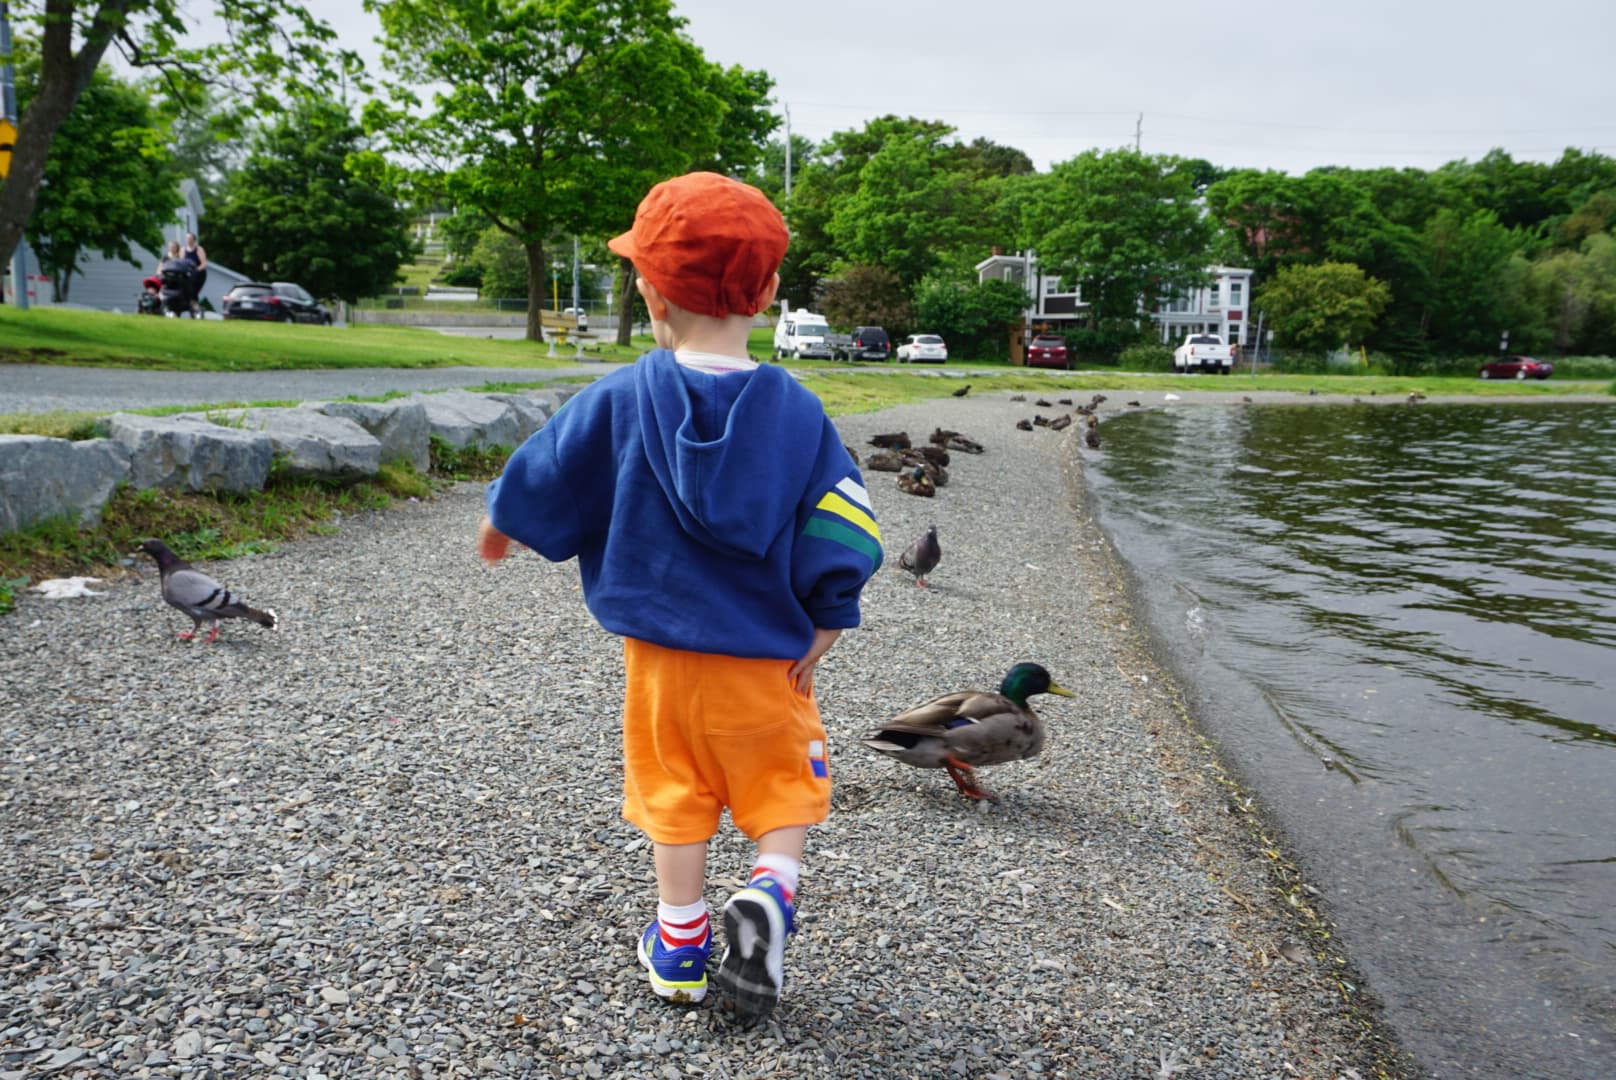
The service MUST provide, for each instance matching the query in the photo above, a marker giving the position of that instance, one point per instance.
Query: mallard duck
(917, 482)
(959, 731)
(884, 461)
(892, 440)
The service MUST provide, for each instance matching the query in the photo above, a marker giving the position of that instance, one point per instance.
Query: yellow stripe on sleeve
(834, 504)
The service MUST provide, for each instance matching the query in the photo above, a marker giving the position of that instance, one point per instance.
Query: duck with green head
(960, 731)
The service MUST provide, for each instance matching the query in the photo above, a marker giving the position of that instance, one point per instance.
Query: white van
(801, 334)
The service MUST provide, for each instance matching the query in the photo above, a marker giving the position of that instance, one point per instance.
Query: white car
(581, 315)
(922, 347)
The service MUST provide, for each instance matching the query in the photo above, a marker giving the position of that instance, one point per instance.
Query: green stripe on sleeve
(826, 529)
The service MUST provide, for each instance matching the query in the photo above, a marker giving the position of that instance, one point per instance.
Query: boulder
(311, 443)
(464, 419)
(532, 412)
(306, 442)
(399, 425)
(191, 453)
(44, 478)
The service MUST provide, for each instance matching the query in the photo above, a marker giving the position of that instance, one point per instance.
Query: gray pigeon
(199, 596)
(922, 556)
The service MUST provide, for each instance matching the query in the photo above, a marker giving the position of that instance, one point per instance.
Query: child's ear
(654, 303)
(767, 298)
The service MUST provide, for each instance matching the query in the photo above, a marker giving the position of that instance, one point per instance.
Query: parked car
(864, 343)
(275, 301)
(580, 314)
(1517, 367)
(920, 347)
(1048, 350)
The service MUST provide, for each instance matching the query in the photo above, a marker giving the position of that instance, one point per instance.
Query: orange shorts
(702, 732)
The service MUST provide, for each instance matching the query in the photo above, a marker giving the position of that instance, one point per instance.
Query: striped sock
(682, 924)
(782, 868)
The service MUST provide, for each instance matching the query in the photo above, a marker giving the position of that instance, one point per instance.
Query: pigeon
(922, 556)
(198, 595)
(962, 391)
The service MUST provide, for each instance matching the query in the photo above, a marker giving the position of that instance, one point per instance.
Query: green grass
(68, 336)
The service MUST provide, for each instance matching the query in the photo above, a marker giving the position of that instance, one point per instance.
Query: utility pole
(575, 308)
(787, 149)
(1138, 130)
(8, 133)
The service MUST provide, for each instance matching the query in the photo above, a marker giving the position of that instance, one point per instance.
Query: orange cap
(708, 243)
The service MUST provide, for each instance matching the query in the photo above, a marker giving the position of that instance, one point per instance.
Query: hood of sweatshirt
(732, 452)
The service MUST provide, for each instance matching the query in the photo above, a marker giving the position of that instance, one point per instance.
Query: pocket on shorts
(767, 706)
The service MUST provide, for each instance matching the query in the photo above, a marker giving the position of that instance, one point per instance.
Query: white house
(113, 285)
(1221, 307)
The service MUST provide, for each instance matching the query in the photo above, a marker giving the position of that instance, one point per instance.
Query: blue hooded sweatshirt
(710, 513)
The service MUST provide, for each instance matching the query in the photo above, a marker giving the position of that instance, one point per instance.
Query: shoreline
(386, 837)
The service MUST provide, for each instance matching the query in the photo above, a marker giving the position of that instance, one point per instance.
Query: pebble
(385, 840)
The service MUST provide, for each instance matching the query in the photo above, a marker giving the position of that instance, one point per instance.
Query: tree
(272, 51)
(503, 264)
(1125, 226)
(297, 210)
(110, 182)
(556, 115)
(973, 318)
(1323, 306)
(864, 295)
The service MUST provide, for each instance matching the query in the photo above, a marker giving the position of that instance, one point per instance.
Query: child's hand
(492, 545)
(802, 672)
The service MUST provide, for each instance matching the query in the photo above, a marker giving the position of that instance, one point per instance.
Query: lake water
(1399, 623)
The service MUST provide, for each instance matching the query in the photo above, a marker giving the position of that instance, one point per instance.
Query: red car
(1517, 367)
(1048, 350)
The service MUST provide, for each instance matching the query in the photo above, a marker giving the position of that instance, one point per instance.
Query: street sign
(8, 139)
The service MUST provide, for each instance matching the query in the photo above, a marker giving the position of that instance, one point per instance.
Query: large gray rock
(399, 425)
(465, 419)
(42, 478)
(532, 411)
(192, 454)
(309, 443)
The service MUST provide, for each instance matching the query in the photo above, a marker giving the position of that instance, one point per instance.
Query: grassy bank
(66, 336)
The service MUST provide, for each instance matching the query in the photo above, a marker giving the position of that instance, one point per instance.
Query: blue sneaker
(752, 971)
(679, 975)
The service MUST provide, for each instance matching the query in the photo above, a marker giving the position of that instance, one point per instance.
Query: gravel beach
(383, 840)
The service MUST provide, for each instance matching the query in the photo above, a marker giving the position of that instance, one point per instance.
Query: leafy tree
(1576, 291)
(555, 116)
(910, 208)
(271, 51)
(1469, 301)
(1125, 226)
(973, 318)
(461, 232)
(110, 182)
(502, 263)
(865, 295)
(299, 211)
(1321, 307)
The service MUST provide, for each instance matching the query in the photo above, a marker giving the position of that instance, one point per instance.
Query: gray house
(105, 284)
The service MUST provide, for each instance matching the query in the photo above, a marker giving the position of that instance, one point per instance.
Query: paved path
(36, 388)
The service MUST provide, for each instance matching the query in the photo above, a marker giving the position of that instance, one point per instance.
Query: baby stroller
(175, 291)
(151, 296)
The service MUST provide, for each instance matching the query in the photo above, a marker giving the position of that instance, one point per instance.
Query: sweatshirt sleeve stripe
(827, 529)
(858, 516)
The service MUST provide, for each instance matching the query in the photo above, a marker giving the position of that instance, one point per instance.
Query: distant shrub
(1146, 358)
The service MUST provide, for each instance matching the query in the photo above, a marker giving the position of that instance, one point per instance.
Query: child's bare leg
(756, 922)
(681, 872)
(674, 948)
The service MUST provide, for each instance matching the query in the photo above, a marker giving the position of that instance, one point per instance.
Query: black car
(276, 301)
(864, 343)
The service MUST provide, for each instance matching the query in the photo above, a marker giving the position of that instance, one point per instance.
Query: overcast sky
(1280, 84)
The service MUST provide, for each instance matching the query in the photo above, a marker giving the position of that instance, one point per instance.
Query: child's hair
(707, 243)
